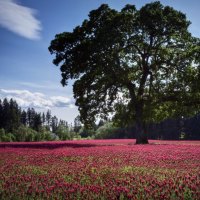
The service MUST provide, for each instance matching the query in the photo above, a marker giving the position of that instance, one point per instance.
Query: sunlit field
(100, 169)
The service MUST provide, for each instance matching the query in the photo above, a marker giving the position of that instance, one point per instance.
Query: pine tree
(54, 124)
(37, 121)
(5, 114)
(14, 116)
(29, 117)
(24, 118)
(48, 118)
(43, 118)
(1, 116)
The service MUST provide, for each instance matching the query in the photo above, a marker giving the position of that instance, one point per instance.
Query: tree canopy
(142, 64)
(27, 125)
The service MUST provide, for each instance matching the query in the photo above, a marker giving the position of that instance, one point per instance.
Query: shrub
(107, 131)
(24, 133)
(63, 133)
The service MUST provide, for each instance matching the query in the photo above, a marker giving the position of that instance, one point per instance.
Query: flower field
(100, 169)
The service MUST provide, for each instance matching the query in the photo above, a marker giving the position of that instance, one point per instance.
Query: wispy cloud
(43, 85)
(19, 19)
(26, 99)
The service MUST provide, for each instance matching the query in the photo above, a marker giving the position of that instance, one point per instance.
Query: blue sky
(26, 29)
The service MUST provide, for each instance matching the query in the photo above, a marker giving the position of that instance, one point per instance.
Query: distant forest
(28, 125)
(17, 124)
(170, 129)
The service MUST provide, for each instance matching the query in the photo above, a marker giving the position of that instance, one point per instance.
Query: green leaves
(148, 54)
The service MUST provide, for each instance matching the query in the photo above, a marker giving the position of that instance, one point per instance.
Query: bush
(107, 131)
(63, 133)
(29, 137)
(2, 134)
(53, 137)
(9, 137)
(6, 137)
(85, 133)
(24, 134)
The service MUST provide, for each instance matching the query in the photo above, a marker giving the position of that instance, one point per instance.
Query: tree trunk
(141, 132)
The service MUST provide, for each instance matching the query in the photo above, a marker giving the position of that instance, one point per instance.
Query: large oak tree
(145, 58)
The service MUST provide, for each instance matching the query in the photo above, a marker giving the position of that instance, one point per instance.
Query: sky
(26, 30)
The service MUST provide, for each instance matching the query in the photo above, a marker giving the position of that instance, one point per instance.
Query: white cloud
(47, 85)
(60, 101)
(26, 99)
(19, 19)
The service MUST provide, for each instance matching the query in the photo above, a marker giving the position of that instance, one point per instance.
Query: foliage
(86, 133)
(28, 125)
(170, 129)
(77, 124)
(6, 137)
(145, 57)
(24, 133)
(9, 115)
(107, 131)
(2, 134)
(63, 133)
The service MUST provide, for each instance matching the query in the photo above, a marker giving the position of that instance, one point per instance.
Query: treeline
(170, 129)
(28, 125)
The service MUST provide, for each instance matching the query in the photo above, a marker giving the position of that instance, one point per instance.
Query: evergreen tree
(1, 114)
(21, 125)
(37, 121)
(54, 124)
(5, 115)
(43, 118)
(14, 116)
(24, 118)
(29, 117)
(66, 124)
(48, 118)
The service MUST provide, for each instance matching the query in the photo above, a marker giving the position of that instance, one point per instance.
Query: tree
(77, 124)
(10, 115)
(29, 117)
(2, 134)
(1, 114)
(101, 123)
(24, 133)
(146, 57)
(14, 115)
(63, 132)
(54, 124)
(85, 133)
(107, 131)
(6, 115)
(31, 114)
(37, 121)
(48, 118)
(43, 119)
(24, 118)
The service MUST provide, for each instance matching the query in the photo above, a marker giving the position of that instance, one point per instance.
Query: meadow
(100, 169)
